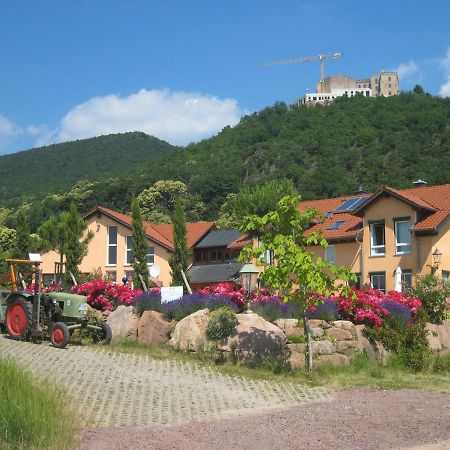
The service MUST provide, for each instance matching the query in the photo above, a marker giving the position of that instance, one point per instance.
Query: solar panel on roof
(336, 225)
(350, 204)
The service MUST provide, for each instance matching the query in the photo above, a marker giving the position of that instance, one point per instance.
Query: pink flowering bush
(104, 295)
(370, 306)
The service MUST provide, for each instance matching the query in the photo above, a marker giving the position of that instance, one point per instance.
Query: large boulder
(153, 328)
(190, 332)
(254, 340)
(373, 349)
(289, 327)
(123, 322)
(438, 337)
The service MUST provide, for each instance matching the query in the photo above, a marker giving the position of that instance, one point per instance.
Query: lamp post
(246, 272)
(436, 255)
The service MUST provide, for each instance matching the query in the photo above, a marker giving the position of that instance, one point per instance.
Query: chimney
(419, 183)
(360, 190)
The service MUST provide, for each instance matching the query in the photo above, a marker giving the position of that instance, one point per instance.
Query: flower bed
(105, 295)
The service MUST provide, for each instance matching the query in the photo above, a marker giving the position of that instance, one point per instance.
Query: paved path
(116, 389)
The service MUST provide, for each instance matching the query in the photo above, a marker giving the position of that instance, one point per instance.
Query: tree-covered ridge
(325, 151)
(32, 174)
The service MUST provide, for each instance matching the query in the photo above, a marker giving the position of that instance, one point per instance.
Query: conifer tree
(180, 260)
(139, 245)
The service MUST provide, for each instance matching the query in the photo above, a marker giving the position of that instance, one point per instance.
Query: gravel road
(135, 402)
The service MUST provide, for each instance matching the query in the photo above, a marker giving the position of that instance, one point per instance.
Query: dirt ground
(353, 419)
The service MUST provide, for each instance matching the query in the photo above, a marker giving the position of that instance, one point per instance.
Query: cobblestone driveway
(116, 389)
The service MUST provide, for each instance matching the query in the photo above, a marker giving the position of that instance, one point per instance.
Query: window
(356, 284)
(406, 279)
(330, 254)
(151, 255)
(378, 280)
(128, 252)
(112, 246)
(377, 242)
(445, 275)
(402, 237)
(111, 276)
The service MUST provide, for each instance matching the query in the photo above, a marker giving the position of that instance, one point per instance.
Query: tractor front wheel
(18, 319)
(104, 336)
(59, 335)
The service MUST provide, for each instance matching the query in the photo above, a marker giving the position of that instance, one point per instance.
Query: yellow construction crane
(321, 58)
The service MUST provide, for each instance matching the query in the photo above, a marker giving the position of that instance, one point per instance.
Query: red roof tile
(160, 233)
(240, 242)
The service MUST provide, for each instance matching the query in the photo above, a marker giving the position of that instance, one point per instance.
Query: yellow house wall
(440, 241)
(96, 258)
(418, 260)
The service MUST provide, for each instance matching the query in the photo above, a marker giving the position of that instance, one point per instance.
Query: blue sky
(182, 70)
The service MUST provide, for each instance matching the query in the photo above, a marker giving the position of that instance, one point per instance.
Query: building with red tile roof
(373, 234)
(109, 252)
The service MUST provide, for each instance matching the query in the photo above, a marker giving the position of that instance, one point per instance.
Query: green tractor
(39, 315)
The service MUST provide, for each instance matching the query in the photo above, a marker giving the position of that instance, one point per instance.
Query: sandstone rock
(299, 348)
(123, 322)
(289, 327)
(255, 339)
(346, 325)
(153, 328)
(297, 360)
(316, 332)
(323, 348)
(439, 337)
(372, 349)
(339, 334)
(349, 348)
(190, 332)
(335, 359)
(313, 323)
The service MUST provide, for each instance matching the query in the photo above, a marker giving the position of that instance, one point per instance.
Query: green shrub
(221, 323)
(296, 338)
(408, 341)
(433, 292)
(33, 414)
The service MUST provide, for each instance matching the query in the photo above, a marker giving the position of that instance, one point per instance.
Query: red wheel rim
(58, 335)
(17, 320)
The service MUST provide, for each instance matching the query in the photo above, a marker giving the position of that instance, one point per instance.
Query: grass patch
(362, 372)
(33, 414)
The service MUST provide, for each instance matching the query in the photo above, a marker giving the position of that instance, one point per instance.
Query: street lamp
(436, 260)
(246, 272)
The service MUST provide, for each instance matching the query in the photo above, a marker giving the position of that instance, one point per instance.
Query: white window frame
(150, 252)
(400, 245)
(378, 274)
(128, 251)
(110, 245)
(330, 254)
(373, 248)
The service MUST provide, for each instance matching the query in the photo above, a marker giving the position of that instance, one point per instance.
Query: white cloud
(177, 117)
(406, 70)
(445, 63)
(8, 131)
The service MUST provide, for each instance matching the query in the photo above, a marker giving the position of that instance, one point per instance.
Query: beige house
(374, 234)
(109, 252)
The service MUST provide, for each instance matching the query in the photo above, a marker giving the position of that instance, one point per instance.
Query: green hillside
(326, 151)
(31, 174)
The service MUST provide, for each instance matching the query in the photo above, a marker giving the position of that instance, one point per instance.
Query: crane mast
(321, 58)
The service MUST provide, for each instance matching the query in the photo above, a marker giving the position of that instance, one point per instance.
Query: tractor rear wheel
(18, 319)
(104, 336)
(59, 335)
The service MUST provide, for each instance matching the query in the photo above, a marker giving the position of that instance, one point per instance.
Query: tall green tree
(22, 242)
(180, 259)
(296, 271)
(66, 235)
(256, 200)
(139, 245)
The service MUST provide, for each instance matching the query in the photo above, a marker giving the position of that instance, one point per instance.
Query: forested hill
(31, 174)
(326, 151)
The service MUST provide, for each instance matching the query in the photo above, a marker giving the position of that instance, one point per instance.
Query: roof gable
(159, 233)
